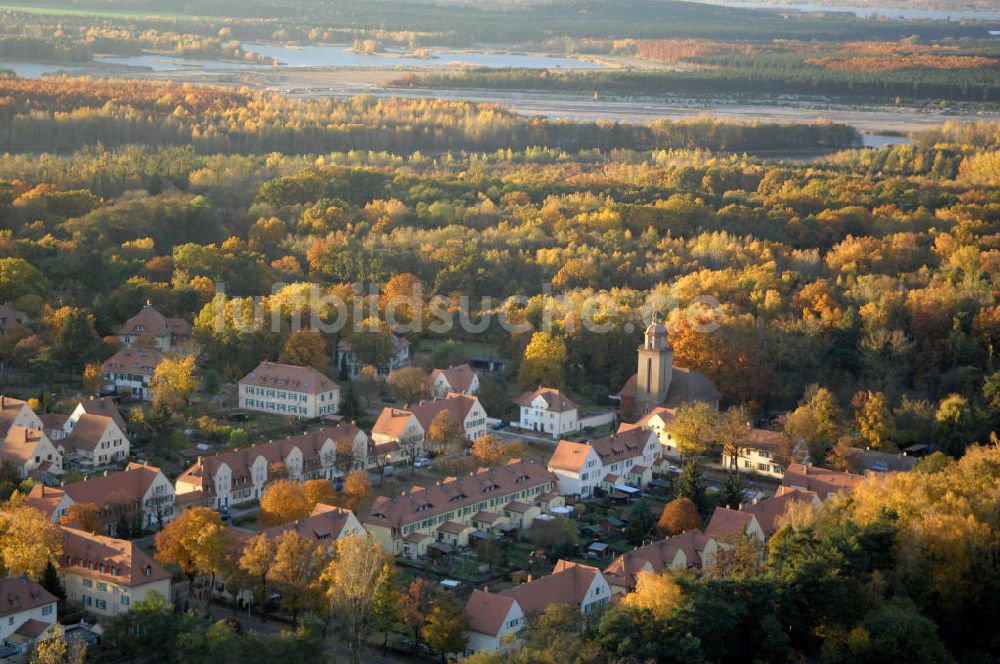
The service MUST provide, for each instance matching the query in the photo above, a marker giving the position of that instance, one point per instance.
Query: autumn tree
(445, 631)
(691, 485)
(93, 378)
(318, 491)
(372, 343)
(415, 603)
(283, 502)
(678, 516)
(357, 489)
(874, 420)
(298, 566)
(28, 540)
(543, 361)
(368, 384)
(306, 348)
(197, 542)
(407, 384)
(817, 421)
(355, 579)
(74, 338)
(732, 432)
(493, 451)
(85, 516)
(444, 435)
(694, 428)
(174, 381)
(657, 593)
(256, 560)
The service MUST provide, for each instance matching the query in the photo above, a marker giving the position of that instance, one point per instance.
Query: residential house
(465, 410)
(239, 476)
(11, 319)
(351, 366)
(409, 523)
(31, 452)
(823, 481)
(130, 371)
(659, 420)
(326, 523)
(547, 410)
(140, 493)
(27, 610)
(399, 430)
(151, 329)
(570, 583)
(689, 550)
(96, 440)
(657, 382)
(759, 520)
(624, 458)
(761, 452)
(459, 379)
(491, 617)
(16, 412)
(286, 389)
(107, 575)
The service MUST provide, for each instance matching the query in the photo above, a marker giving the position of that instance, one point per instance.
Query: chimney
(529, 579)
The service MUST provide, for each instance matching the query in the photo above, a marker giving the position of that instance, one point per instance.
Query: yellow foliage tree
(657, 593)
(28, 540)
(284, 501)
(174, 381)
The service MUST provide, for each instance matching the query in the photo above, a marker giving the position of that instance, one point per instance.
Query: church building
(657, 382)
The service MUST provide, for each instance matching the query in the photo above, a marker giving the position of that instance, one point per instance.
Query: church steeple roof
(656, 334)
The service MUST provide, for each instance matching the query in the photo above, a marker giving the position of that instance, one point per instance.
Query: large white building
(286, 389)
(151, 329)
(26, 609)
(107, 575)
(625, 458)
(547, 410)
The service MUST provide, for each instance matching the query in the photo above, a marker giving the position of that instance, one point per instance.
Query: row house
(141, 493)
(760, 451)
(107, 575)
(459, 379)
(151, 329)
(398, 431)
(547, 410)
(31, 452)
(465, 410)
(351, 366)
(691, 550)
(27, 612)
(625, 458)
(130, 371)
(659, 420)
(420, 517)
(240, 476)
(286, 389)
(494, 615)
(758, 520)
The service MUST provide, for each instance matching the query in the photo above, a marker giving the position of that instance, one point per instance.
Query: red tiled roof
(568, 584)
(150, 322)
(391, 422)
(823, 481)
(107, 559)
(459, 377)
(488, 611)
(457, 405)
(19, 593)
(726, 523)
(134, 361)
(326, 522)
(289, 377)
(555, 400)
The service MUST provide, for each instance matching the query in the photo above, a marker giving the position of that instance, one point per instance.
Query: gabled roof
(666, 415)
(107, 559)
(457, 405)
(568, 584)
(104, 406)
(880, 462)
(289, 377)
(765, 439)
(488, 611)
(420, 503)
(459, 377)
(133, 482)
(150, 322)
(391, 422)
(726, 523)
(623, 445)
(10, 408)
(823, 481)
(325, 523)
(19, 444)
(555, 400)
(87, 432)
(134, 361)
(11, 317)
(569, 455)
(45, 499)
(769, 510)
(19, 593)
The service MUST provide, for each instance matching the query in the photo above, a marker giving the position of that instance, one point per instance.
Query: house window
(88, 583)
(47, 610)
(101, 604)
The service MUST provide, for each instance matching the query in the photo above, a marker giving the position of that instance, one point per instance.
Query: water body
(339, 55)
(37, 69)
(865, 12)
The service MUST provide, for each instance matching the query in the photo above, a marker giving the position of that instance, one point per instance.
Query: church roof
(686, 386)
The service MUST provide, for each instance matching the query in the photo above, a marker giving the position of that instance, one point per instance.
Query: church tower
(656, 366)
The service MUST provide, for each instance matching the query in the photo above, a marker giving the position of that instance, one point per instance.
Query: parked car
(676, 470)
(422, 462)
